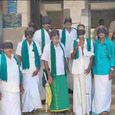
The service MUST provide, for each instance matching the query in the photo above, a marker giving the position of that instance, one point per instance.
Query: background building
(16, 14)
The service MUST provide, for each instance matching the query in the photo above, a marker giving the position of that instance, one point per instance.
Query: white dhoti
(79, 95)
(89, 92)
(70, 75)
(102, 94)
(31, 97)
(10, 103)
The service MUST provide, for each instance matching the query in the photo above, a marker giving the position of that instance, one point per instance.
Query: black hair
(68, 20)
(101, 22)
(7, 45)
(29, 32)
(46, 20)
(54, 33)
(81, 25)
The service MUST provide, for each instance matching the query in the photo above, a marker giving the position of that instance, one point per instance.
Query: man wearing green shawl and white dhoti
(29, 53)
(10, 81)
(55, 64)
(68, 35)
(82, 55)
(42, 37)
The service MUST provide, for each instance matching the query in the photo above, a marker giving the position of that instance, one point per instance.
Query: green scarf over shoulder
(43, 39)
(88, 41)
(53, 59)
(25, 55)
(63, 39)
(75, 43)
(3, 67)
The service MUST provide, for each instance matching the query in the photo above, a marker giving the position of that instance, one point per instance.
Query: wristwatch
(112, 69)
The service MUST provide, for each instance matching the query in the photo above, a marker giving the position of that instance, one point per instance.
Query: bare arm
(19, 58)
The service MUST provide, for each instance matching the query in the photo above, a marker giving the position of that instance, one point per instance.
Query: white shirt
(59, 58)
(70, 37)
(88, 54)
(38, 37)
(31, 56)
(80, 64)
(13, 78)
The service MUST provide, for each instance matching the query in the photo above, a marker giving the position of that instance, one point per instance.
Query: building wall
(102, 10)
(102, 5)
(4, 6)
(72, 7)
(23, 7)
(15, 35)
(75, 7)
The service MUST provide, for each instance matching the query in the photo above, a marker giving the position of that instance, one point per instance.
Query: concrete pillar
(86, 18)
(23, 7)
(75, 7)
(4, 6)
(1, 23)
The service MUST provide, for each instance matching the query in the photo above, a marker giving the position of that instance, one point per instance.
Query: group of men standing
(70, 60)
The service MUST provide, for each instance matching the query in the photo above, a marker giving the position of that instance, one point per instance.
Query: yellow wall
(4, 6)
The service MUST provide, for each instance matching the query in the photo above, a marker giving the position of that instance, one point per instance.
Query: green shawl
(53, 59)
(3, 67)
(88, 41)
(43, 39)
(77, 52)
(63, 39)
(25, 55)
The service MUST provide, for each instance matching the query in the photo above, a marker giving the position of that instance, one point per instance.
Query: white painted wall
(102, 5)
(23, 7)
(75, 9)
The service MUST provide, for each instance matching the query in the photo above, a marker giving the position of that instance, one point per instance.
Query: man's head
(81, 30)
(55, 37)
(68, 23)
(31, 24)
(101, 31)
(46, 22)
(101, 22)
(29, 32)
(8, 48)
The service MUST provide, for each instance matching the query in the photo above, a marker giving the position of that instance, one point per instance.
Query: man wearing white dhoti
(68, 35)
(88, 60)
(81, 53)
(103, 71)
(29, 53)
(42, 37)
(10, 81)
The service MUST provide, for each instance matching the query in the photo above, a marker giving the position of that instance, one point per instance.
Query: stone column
(74, 8)
(23, 7)
(1, 23)
(86, 18)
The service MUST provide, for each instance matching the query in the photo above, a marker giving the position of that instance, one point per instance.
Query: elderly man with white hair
(103, 72)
